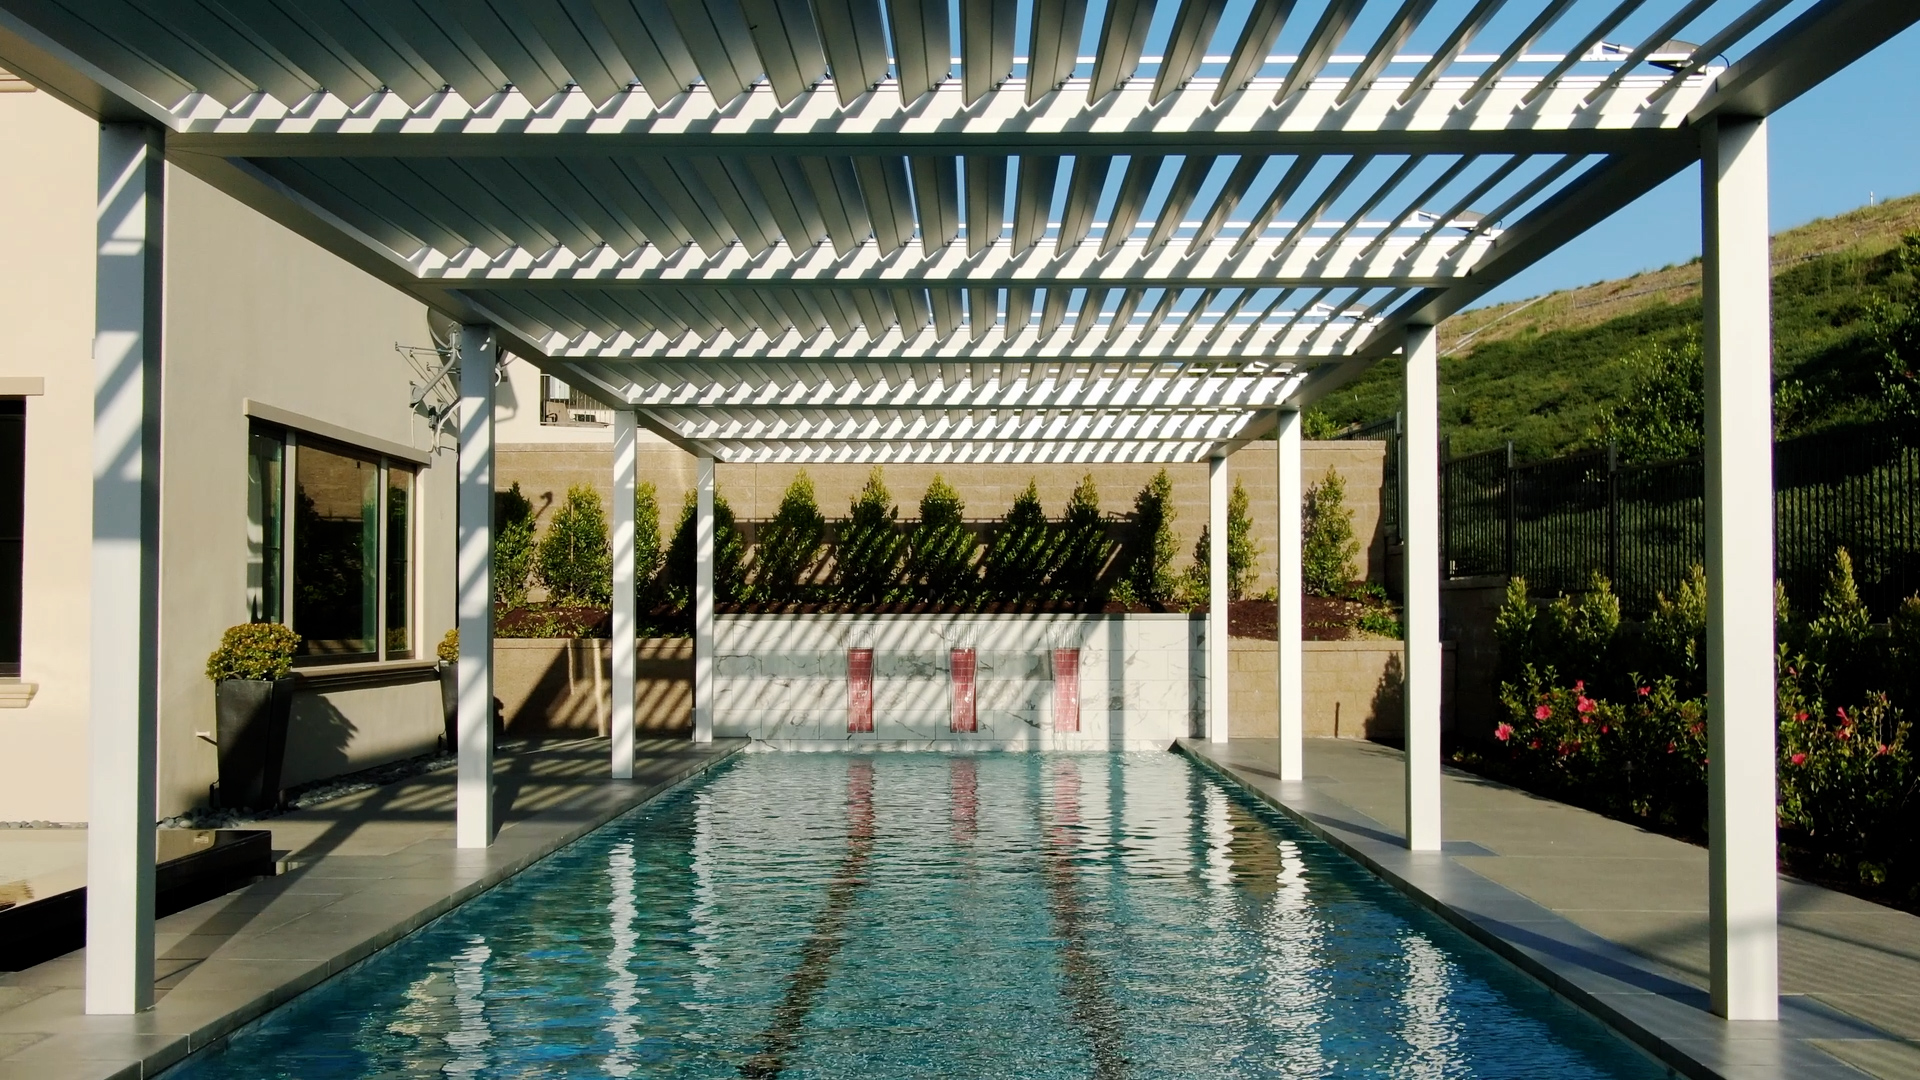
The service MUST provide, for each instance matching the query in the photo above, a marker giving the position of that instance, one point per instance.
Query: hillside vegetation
(1545, 372)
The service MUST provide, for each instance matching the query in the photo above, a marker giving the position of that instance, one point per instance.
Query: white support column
(625, 594)
(1287, 566)
(125, 588)
(703, 601)
(1421, 697)
(474, 729)
(1217, 600)
(1743, 897)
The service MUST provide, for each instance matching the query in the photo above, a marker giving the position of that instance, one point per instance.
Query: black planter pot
(450, 705)
(251, 729)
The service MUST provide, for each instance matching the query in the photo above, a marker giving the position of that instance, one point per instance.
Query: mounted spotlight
(1675, 55)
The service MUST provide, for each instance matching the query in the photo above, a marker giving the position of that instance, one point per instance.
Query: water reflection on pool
(923, 915)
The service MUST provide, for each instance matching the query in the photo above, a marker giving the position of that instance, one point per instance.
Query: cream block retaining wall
(781, 680)
(563, 687)
(1352, 688)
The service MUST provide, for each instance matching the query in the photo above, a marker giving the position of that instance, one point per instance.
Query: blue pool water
(919, 915)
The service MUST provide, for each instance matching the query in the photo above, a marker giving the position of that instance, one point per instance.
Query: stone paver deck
(1614, 916)
(361, 872)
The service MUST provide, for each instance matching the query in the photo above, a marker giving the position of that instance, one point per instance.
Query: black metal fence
(1556, 522)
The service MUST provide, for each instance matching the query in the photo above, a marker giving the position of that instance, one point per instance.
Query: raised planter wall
(562, 687)
(781, 680)
(1352, 688)
(343, 721)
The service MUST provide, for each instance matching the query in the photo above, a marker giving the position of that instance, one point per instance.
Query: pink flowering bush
(1576, 723)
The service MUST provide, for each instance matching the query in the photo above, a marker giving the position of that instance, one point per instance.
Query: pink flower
(1534, 745)
(1603, 729)
(1544, 712)
(1584, 705)
(1798, 759)
(1843, 733)
(1503, 732)
(1580, 687)
(1883, 750)
(1841, 712)
(1645, 690)
(1801, 716)
(1670, 746)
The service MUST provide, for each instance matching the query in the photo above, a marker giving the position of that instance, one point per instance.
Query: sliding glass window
(330, 545)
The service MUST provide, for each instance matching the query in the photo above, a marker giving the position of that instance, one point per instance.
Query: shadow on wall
(319, 736)
(563, 687)
(1386, 717)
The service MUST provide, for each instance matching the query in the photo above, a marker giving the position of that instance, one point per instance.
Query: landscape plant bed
(923, 607)
(1322, 618)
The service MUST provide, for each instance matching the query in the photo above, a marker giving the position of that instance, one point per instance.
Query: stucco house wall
(253, 313)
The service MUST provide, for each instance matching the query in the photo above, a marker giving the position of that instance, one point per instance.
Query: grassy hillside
(1540, 372)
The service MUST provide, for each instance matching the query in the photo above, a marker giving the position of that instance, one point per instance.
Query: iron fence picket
(1555, 522)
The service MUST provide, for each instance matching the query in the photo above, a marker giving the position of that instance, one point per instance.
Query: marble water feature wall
(900, 682)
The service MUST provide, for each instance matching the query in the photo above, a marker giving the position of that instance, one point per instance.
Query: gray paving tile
(1877, 1058)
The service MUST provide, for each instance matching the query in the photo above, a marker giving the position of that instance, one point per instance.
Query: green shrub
(942, 553)
(1675, 637)
(1327, 546)
(869, 552)
(1196, 583)
(1084, 549)
(1021, 559)
(729, 551)
(1243, 554)
(253, 651)
(1663, 415)
(1152, 548)
(575, 557)
(789, 550)
(449, 648)
(646, 536)
(1837, 639)
(1315, 424)
(1379, 623)
(1575, 634)
(512, 546)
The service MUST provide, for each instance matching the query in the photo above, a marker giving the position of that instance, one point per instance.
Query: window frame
(292, 443)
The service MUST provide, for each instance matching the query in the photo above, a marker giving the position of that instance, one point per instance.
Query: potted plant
(253, 697)
(449, 653)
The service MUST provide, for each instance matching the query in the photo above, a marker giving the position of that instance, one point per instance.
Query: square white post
(1421, 694)
(703, 601)
(1742, 885)
(1287, 574)
(125, 604)
(625, 594)
(1217, 600)
(474, 726)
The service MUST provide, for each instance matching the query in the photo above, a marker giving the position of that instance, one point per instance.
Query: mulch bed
(1321, 619)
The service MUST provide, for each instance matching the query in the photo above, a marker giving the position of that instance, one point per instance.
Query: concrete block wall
(563, 687)
(545, 470)
(1352, 689)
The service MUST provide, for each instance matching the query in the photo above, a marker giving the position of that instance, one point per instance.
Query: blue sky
(1857, 133)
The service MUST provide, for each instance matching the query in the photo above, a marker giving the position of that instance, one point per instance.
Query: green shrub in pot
(253, 699)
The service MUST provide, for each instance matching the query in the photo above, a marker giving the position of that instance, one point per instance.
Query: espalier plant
(253, 651)
(788, 553)
(1083, 548)
(1021, 558)
(867, 558)
(576, 557)
(1327, 546)
(1153, 547)
(512, 546)
(942, 553)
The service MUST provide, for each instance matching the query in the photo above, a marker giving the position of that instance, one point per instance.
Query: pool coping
(1649, 1004)
(77, 1046)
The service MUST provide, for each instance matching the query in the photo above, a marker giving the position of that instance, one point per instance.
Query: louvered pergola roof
(941, 230)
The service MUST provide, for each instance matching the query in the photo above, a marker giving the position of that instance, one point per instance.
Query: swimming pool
(924, 915)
